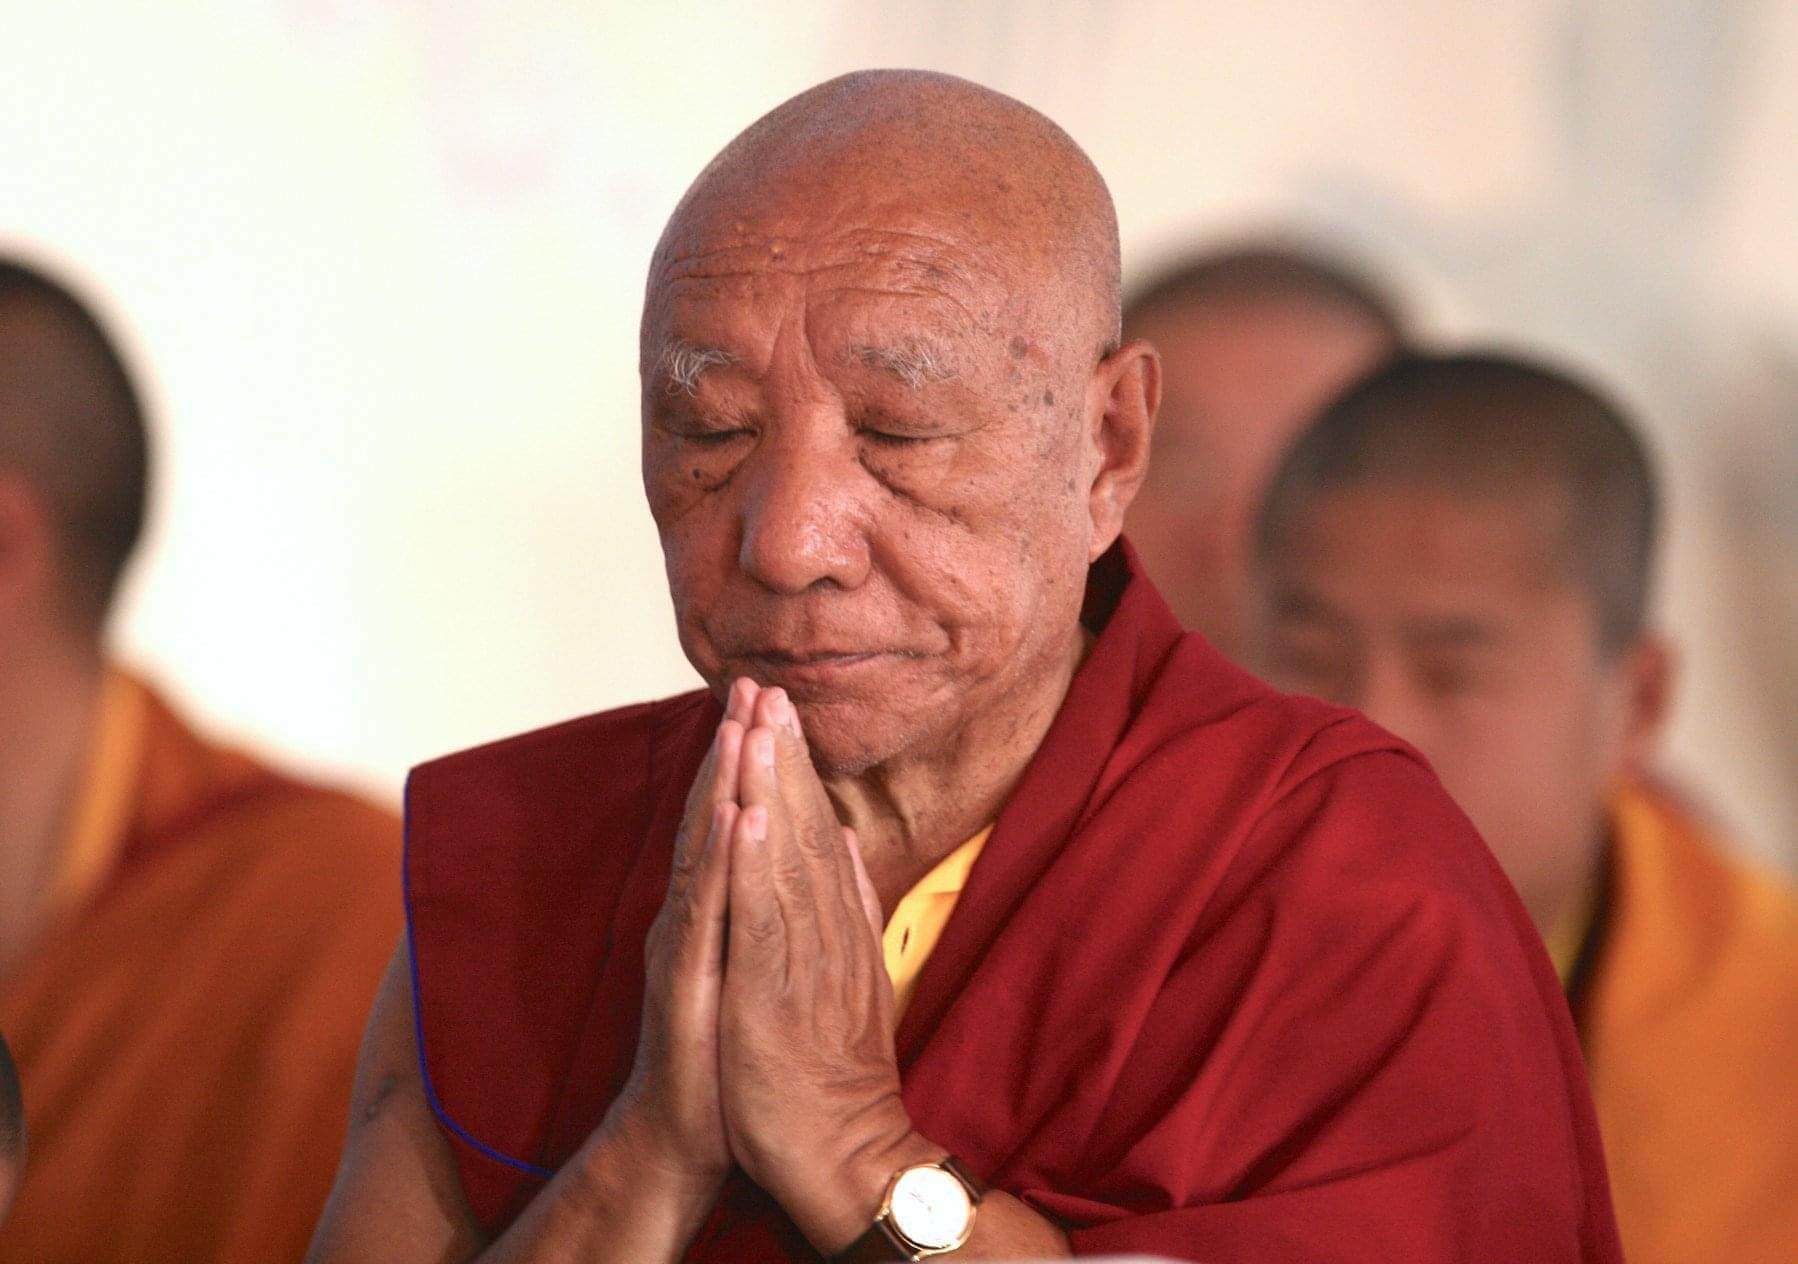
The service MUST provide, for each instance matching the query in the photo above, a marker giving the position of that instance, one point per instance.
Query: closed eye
(887, 439)
(710, 438)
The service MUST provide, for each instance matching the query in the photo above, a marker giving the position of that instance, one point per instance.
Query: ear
(25, 548)
(1647, 676)
(1124, 396)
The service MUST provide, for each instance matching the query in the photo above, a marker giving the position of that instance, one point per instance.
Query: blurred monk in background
(188, 938)
(1254, 339)
(1461, 547)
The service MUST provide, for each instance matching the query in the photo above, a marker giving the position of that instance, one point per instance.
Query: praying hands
(768, 1023)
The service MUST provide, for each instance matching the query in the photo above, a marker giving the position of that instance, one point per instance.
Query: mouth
(814, 667)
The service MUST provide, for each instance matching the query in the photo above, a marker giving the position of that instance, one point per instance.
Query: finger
(874, 945)
(689, 837)
(813, 878)
(846, 914)
(799, 786)
(727, 775)
(797, 756)
(715, 783)
(700, 955)
(756, 784)
(739, 703)
(856, 918)
(774, 708)
(757, 931)
(794, 871)
(864, 885)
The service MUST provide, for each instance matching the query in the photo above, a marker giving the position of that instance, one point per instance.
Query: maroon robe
(1232, 979)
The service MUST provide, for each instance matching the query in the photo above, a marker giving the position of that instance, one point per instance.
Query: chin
(848, 737)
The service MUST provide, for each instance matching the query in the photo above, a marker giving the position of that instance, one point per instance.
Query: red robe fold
(1232, 979)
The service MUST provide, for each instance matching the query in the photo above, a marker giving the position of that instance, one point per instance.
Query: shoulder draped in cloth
(1689, 1016)
(1230, 980)
(187, 1028)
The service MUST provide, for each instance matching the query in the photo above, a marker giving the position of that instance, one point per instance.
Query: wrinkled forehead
(843, 267)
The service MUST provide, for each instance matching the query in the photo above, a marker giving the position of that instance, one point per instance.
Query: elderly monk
(971, 908)
(1461, 547)
(12, 1131)
(1254, 339)
(188, 939)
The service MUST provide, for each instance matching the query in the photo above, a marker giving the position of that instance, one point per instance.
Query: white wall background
(380, 265)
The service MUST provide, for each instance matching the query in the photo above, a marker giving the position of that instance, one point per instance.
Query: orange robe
(187, 1027)
(1690, 1024)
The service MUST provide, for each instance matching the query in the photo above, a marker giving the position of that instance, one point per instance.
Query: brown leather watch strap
(879, 1246)
(876, 1246)
(976, 1186)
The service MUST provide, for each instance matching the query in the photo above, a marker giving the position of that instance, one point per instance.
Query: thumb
(865, 885)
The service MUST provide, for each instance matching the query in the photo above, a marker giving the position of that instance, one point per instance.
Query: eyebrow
(1430, 631)
(1450, 632)
(682, 363)
(913, 363)
(1290, 605)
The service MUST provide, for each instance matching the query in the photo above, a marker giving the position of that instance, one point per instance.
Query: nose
(1386, 696)
(805, 516)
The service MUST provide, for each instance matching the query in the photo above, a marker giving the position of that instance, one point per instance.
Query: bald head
(1486, 427)
(71, 426)
(885, 417)
(1254, 339)
(1271, 274)
(934, 170)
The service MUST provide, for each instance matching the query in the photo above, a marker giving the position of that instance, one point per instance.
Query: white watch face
(931, 1207)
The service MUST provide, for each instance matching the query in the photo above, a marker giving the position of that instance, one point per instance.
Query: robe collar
(1136, 631)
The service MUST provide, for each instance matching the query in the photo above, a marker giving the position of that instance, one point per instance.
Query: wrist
(840, 1204)
(629, 1155)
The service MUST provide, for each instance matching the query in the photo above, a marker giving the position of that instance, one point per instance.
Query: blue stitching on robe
(418, 1029)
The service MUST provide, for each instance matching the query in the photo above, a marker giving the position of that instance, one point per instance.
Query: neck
(1565, 920)
(49, 697)
(910, 812)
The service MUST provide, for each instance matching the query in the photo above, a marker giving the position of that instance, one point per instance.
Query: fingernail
(755, 824)
(764, 747)
(788, 715)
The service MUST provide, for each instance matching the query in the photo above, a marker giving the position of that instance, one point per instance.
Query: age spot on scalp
(1019, 348)
(1048, 399)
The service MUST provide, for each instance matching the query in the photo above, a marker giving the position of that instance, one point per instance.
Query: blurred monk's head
(12, 1130)
(1461, 547)
(1254, 340)
(887, 423)
(72, 467)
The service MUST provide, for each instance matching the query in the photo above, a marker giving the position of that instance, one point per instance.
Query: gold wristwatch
(928, 1209)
